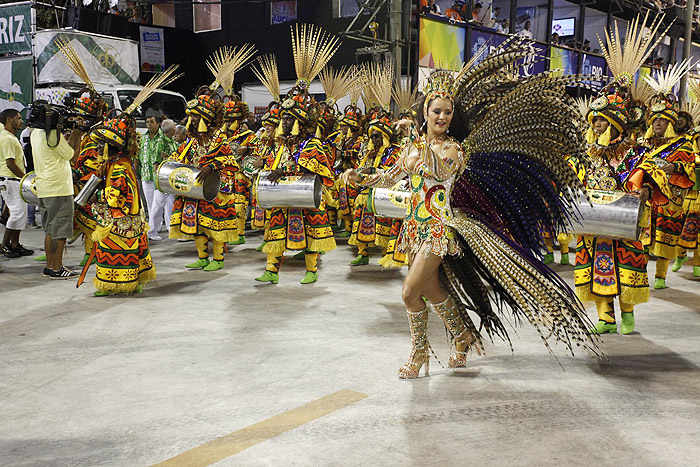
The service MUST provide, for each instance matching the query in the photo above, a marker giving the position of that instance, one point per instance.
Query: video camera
(46, 116)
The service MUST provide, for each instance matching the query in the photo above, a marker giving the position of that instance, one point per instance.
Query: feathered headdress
(380, 77)
(225, 62)
(120, 131)
(337, 83)
(268, 75)
(89, 102)
(405, 97)
(312, 48)
(624, 58)
(664, 104)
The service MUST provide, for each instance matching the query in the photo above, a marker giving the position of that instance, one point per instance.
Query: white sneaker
(155, 237)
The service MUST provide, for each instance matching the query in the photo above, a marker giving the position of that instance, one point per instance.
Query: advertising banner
(441, 44)
(15, 27)
(107, 60)
(563, 59)
(595, 65)
(16, 83)
(152, 49)
(532, 66)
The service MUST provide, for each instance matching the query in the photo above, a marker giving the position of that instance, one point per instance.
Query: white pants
(162, 206)
(9, 190)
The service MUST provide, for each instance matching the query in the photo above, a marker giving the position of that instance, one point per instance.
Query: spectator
(586, 45)
(431, 8)
(496, 12)
(453, 11)
(163, 202)
(11, 172)
(180, 134)
(555, 38)
(150, 156)
(503, 26)
(476, 11)
(53, 155)
(525, 31)
(658, 62)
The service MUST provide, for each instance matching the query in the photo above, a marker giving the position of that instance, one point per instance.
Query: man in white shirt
(11, 172)
(525, 31)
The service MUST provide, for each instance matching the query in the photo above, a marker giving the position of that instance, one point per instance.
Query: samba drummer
(124, 263)
(243, 144)
(207, 148)
(607, 268)
(673, 154)
(301, 152)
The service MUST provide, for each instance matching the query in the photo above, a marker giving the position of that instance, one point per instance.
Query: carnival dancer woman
(465, 228)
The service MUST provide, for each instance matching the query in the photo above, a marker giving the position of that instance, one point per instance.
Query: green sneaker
(696, 271)
(262, 245)
(360, 261)
(101, 293)
(548, 258)
(602, 327)
(300, 255)
(564, 259)
(310, 277)
(240, 241)
(271, 277)
(627, 326)
(343, 234)
(41, 258)
(214, 265)
(678, 263)
(660, 283)
(199, 264)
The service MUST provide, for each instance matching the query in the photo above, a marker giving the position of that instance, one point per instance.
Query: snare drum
(180, 179)
(613, 214)
(291, 191)
(390, 202)
(27, 189)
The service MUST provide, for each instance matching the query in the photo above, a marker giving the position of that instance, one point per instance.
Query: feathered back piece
(642, 92)
(515, 185)
(356, 91)
(159, 81)
(71, 58)
(405, 97)
(582, 105)
(625, 57)
(268, 75)
(337, 83)
(312, 48)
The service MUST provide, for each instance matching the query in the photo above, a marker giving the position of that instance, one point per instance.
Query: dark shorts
(57, 216)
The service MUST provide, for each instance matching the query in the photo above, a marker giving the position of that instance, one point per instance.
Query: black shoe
(10, 253)
(62, 273)
(47, 272)
(23, 251)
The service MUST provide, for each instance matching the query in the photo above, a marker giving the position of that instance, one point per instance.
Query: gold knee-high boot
(462, 338)
(418, 322)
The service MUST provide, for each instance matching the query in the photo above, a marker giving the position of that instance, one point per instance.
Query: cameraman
(53, 154)
(11, 172)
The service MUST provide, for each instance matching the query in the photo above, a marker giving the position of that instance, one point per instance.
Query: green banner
(15, 28)
(16, 83)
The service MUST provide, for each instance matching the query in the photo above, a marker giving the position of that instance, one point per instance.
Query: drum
(292, 191)
(88, 190)
(248, 166)
(390, 202)
(27, 189)
(613, 214)
(180, 179)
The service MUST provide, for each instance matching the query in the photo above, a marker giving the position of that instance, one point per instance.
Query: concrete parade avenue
(213, 368)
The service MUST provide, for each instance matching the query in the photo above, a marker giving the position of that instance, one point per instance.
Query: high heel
(418, 322)
(462, 338)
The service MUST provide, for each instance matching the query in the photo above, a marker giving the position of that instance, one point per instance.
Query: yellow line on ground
(233, 443)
